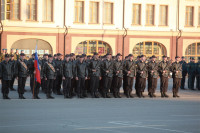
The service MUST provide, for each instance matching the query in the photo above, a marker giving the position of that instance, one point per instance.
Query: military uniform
(13, 78)
(176, 69)
(58, 81)
(81, 74)
(129, 66)
(36, 85)
(49, 74)
(107, 73)
(95, 74)
(6, 74)
(16, 56)
(191, 68)
(184, 73)
(142, 74)
(164, 72)
(22, 72)
(43, 81)
(68, 75)
(118, 76)
(152, 77)
(198, 74)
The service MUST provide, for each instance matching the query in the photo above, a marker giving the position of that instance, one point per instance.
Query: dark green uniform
(198, 74)
(176, 69)
(191, 74)
(184, 73)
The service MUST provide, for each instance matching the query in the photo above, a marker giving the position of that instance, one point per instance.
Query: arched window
(193, 50)
(149, 49)
(28, 45)
(90, 46)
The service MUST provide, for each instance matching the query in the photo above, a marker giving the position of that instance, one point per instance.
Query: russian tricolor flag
(37, 68)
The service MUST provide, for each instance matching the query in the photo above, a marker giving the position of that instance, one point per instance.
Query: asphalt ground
(89, 115)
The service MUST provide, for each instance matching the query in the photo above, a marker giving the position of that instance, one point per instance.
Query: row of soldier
(98, 76)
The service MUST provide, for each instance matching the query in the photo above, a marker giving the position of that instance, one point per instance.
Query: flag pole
(34, 73)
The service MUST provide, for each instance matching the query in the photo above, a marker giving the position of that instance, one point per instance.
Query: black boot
(174, 95)
(165, 95)
(5, 96)
(127, 95)
(177, 95)
(115, 95)
(80, 96)
(118, 95)
(96, 95)
(150, 95)
(12, 89)
(37, 97)
(142, 94)
(107, 95)
(85, 95)
(49, 96)
(162, 94)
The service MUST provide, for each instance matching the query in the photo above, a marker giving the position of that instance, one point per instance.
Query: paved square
(158, 115)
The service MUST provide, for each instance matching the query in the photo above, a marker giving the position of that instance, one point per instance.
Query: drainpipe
(125, 30)
(66, 29)
(1, 26)
(179, 31)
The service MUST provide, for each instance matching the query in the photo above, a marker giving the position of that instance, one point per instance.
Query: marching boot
(151, 95)
(162, 94)
(104, 95)
(174, 95)
(165, 95)
(118, 95)
(12, 89)
(21, 96)
(115, 95)
(177, 95)
(7, 96)
(49, 96)
(85, 95)
(59, 93)
(92, 94)
(80, 96)
(96, 95)
(127, 95)
(130, 95)
(142, 94)
(107, 95)
(37, 97)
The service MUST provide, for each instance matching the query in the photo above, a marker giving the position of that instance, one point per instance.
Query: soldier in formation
(99, 76)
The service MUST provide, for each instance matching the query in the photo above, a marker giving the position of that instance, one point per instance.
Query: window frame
(140, 13)
(36, 11)
(93, 12)
(83, 12)
(112, 13)
(52, 12)
(153, 18)
(187, 24)
(167, 15)
(6, 11)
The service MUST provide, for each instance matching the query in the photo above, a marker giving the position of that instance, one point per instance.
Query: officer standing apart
(22, 73)
(6, 74)
(176, 69)
(49, 74)
(184, 72)
(191, 73)
(95, 75)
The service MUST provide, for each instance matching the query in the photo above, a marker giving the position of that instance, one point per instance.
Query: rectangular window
(12, 9)
(199, 16)
(108, 13)
(189, 12)
(79, 11)
(150, 14)
(163, 15)
(94, 12)
(31, 10)
(47, 10)
(136, 14)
